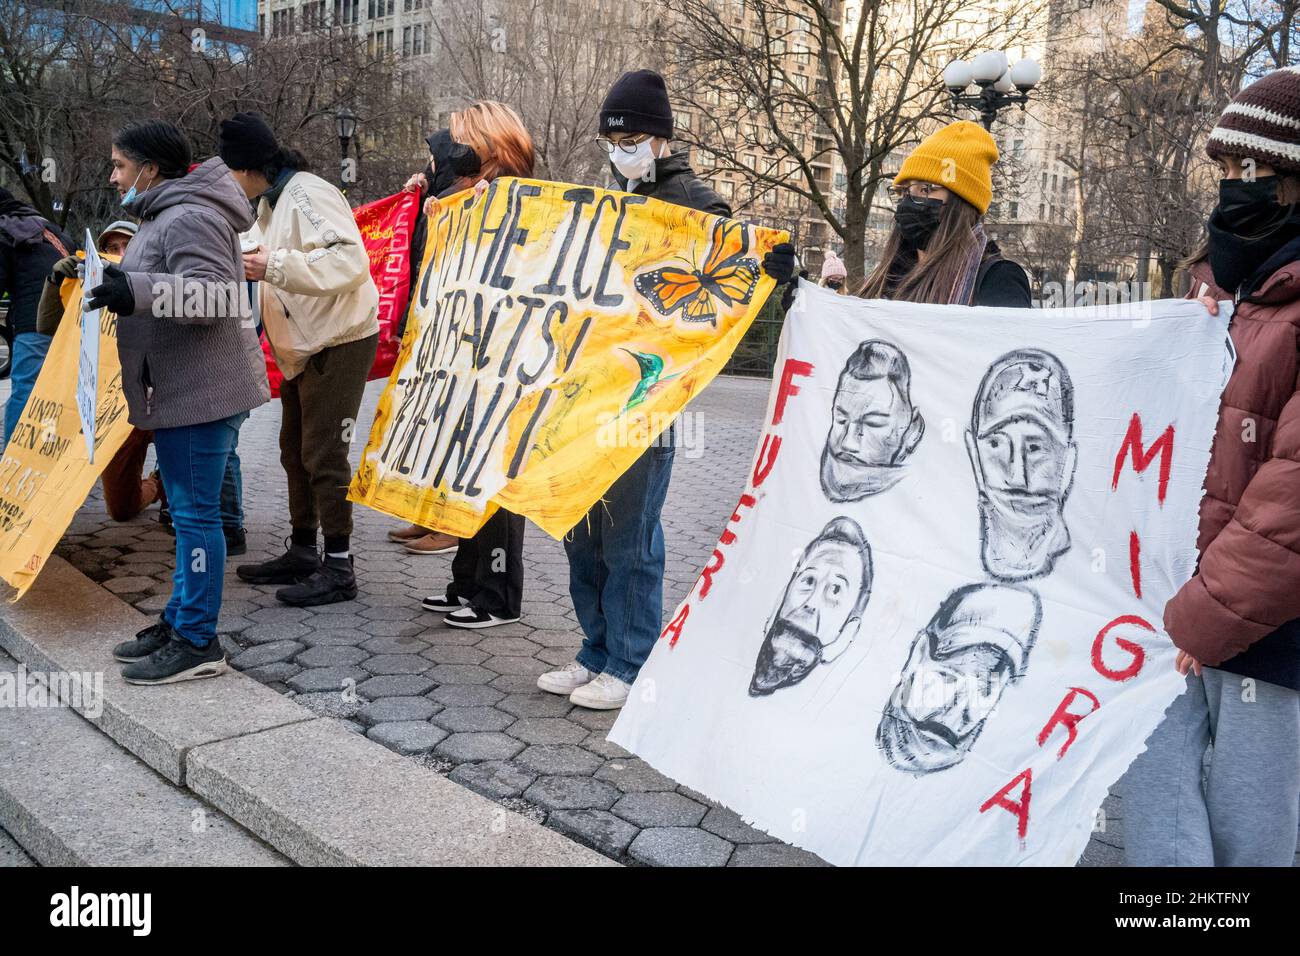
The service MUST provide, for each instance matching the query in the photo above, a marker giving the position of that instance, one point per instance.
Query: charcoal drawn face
(1023, 455)
(874, 425)
(820, 608)
(976, 644)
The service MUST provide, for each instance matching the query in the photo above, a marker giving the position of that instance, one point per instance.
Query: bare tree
(73, 73)
(552, 60)
(787, 90)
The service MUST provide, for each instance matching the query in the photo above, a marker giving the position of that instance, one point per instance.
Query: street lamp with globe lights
(999, 85)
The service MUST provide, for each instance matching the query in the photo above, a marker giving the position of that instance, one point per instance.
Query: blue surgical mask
(130, 193)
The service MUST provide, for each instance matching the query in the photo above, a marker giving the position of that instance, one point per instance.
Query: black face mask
(1246, 228)
(451, 161)
(917, 220)
(834, 283)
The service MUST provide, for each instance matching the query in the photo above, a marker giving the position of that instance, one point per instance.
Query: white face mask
(638, 165)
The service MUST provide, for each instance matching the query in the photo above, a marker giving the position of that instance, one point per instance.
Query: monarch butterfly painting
(726, 277)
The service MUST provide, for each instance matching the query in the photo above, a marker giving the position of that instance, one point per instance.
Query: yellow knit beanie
(959, 157)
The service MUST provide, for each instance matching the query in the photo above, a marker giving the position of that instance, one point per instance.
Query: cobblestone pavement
(465, 703)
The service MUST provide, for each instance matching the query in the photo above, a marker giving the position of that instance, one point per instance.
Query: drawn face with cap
(820, 608)
(1023, 454)
(975, 645)
(874, 426)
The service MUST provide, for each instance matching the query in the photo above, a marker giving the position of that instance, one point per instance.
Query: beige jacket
(317, 291)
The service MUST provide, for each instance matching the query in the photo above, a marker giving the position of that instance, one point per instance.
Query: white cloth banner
(931, 631)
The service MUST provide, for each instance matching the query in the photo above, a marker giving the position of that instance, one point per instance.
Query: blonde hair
(497, 134)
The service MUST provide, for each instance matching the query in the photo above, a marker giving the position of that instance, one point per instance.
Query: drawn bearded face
(874, 426)
(975, 645)
(820, 607)
(1023, 455)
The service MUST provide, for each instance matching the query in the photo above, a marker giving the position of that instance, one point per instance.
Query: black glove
(114, 293)
(780, 262)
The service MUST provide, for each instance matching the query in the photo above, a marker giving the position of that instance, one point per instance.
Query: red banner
(386, 226)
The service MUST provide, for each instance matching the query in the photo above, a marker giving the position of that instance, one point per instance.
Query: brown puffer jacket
(1240, 610)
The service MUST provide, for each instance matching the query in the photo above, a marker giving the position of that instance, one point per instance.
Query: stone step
(317, 792)
(70, 796)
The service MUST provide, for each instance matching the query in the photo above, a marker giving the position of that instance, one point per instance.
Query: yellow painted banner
(44, 474)
(556, 330)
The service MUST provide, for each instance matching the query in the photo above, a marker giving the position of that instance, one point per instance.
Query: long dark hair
(286, 158)
(901, 275)
(157, 142)
(1288, 193)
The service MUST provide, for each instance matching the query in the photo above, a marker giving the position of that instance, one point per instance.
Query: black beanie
(246, 142)
(637, 103)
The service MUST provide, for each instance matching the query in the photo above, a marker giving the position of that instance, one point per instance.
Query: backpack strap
(984, 268)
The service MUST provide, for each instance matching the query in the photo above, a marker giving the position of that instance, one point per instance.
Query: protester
(191, 371)
(833, 273)
(319, 309)
(29, 247)
(1236, 623)
(452, 166)
(937, 251)
(616, 552)
(482, 142)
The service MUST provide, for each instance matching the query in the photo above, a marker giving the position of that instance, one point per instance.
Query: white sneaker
(606, 692)
(565, 680)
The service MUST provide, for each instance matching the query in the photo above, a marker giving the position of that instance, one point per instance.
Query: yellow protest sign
(44, 474)
(555, 331)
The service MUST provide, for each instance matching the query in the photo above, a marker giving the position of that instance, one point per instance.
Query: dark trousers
(319, 422)
(488, 570)
(123, 494)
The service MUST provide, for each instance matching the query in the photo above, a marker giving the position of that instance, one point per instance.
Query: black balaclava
(1246, 228)
(451, 161)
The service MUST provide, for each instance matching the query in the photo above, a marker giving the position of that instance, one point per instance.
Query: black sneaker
(333, 581)
(473, 618)
(177, 660)
(236, 542)
(442, 604)
(146, 641)
(297, 564)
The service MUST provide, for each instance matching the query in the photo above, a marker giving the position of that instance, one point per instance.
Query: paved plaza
(464, 703)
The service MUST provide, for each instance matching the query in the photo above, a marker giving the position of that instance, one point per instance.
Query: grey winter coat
(190, 352)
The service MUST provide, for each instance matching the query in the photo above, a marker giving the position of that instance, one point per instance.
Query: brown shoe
(435, 542)
(409, 533)
(150, 491)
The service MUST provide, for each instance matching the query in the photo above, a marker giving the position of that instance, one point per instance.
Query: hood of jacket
(208, 184)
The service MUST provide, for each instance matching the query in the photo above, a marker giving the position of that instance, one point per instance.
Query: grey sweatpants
(1245, 810)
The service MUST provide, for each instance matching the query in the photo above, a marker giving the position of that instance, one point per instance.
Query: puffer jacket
(189, 352)
(317, 291)
(29, 248)
(1240, 611)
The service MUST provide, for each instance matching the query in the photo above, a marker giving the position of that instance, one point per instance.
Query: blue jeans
(616, 569)
(232, 484)
(26, 359)
(192, 460)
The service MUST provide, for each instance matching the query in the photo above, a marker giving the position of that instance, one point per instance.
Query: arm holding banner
(1247, 584)
(201, 260)
(332, 260)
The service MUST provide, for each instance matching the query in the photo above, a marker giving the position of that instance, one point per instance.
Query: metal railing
(756, 354)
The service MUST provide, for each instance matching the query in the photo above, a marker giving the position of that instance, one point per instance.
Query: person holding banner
(616, 553)
(30, 245)
(481, 142)
(191, 372)
(319, 309)
(937, 251)
(1236, 623)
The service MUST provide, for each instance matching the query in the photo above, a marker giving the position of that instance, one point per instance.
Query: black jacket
(1001, 282)
(676, 182)
(26, 258)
